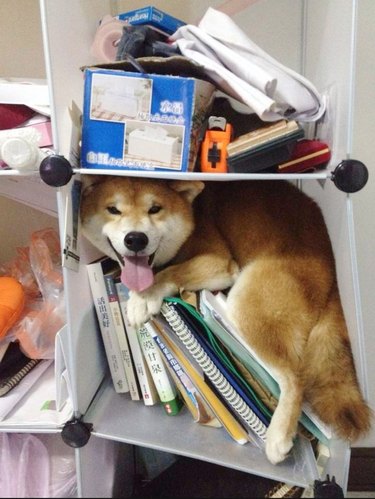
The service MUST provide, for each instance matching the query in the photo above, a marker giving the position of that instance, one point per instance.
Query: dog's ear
(189, 189)
(90, 181)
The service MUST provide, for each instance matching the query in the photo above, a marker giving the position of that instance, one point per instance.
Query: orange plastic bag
(38, 269)
(12, 301)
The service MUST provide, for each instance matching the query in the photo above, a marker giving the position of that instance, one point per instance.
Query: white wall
(21, 39)
(21, 56)
(364, 200)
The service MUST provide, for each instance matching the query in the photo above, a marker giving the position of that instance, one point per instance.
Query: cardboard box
(144, 121)
(153, 17)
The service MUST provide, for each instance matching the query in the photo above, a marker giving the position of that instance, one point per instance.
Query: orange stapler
(214, 146)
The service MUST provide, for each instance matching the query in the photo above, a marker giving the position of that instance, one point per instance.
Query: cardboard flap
(174, 65)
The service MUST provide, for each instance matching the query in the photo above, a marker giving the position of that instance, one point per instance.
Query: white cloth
(246, 72)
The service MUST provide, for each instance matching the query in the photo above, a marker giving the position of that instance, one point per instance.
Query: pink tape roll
(106, 37)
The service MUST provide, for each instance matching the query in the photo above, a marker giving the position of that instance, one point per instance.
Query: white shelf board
(319, 175)
(118, 418)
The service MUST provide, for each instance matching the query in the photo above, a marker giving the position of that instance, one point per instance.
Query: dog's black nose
(136, 241)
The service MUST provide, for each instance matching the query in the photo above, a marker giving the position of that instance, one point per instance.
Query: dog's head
(138, 222)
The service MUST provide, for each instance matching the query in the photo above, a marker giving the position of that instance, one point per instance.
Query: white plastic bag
(24, 466)
(32, 466)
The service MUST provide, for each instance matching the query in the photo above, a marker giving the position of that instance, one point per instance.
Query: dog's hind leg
(267, 306)
(283, 426)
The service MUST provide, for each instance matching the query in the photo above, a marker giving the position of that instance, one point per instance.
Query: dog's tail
(331, 385)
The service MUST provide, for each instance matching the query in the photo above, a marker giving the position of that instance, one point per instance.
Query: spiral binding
(221, 383)
(7, 385)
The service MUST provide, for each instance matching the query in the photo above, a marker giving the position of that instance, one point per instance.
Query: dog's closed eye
(155, 208)
(113, 210)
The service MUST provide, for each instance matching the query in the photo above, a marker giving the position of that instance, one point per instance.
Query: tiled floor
(361, 494)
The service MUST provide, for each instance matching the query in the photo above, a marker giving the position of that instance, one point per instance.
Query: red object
(13, 115)
(307, 156)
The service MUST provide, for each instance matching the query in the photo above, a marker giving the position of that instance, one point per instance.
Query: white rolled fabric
(246, 72)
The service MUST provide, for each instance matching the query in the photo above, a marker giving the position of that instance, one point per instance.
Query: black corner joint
(55, 170)
(327, 488)
(350, 175)
(76, 433)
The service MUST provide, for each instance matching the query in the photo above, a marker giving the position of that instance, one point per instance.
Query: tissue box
(143, 121)
(153, 17)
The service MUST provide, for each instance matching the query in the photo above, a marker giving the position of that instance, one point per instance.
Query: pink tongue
(136, 274)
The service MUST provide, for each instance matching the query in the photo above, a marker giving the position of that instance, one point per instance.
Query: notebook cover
(236, 383)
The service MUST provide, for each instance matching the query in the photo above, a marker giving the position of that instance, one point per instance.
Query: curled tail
(331, 384)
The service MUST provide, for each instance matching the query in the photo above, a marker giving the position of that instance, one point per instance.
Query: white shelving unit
(68, 27)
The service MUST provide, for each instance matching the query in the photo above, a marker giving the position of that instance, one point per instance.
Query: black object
(55, 170)
(263, 160)
(327, 488)
(214, 155)
(189, 477)
(76, 433)
(143, 41)
(14, 366)
(350, 175)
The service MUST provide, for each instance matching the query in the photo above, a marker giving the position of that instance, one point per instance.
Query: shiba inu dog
(268, 243)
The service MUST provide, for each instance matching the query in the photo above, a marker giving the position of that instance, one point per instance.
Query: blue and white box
(134, 121)
(153, 17)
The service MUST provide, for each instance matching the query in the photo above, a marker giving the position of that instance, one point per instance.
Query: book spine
(231, 425)
(111, 347)
(146, 383)
(199, 409)
(223, 386)
(121, 336)
(164, 384)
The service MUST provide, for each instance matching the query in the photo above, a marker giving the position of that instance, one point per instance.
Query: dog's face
(139, 222)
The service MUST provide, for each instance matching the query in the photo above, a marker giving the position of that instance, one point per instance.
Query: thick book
(262, 136)
(165, 386)
(213, 310)
(146, 383)
(114, 305)
(264, 148)
(197, 405)
(234, 429)
(223, 384)
(96, 271)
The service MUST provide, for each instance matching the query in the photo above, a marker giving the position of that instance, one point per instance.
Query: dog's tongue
(137, 274)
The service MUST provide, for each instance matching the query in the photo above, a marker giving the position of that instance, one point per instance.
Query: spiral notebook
(14, 366)
(221, 380)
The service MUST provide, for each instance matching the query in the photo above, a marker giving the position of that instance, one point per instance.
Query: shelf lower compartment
(119, 418)
(35, 410)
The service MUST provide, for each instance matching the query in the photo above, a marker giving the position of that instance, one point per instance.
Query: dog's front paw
(278, 445)
(142, 306)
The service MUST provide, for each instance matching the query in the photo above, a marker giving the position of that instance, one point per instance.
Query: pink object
(137, 274)
(107, 36)
(42, 125)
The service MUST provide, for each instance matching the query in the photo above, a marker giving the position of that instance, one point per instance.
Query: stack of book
(135, 364)
(190, 354)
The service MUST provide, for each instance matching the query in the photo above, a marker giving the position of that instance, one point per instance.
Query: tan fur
(268, 242)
